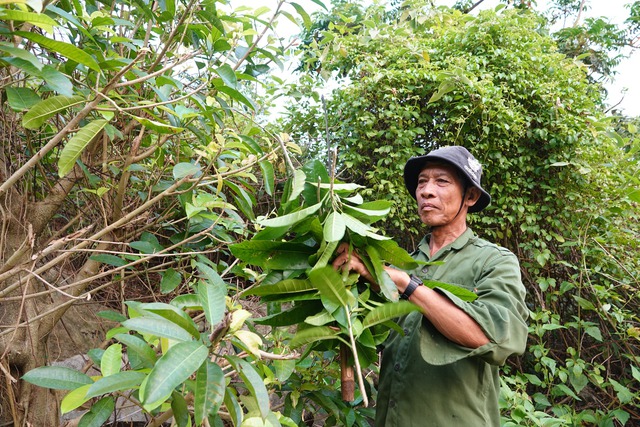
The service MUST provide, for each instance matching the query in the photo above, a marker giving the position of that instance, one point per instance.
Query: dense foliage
(132, 163)
(564, 183)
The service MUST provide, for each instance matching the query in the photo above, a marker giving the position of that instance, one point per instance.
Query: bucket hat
(455, 155)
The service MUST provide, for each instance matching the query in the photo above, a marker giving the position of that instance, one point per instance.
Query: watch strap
(414, 282)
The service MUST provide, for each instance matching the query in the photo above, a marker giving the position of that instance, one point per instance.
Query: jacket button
(396, 366)
(425, 269)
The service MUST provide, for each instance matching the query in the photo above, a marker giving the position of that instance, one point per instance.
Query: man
(444, 371)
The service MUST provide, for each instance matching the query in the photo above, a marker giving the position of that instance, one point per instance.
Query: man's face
(439, 195)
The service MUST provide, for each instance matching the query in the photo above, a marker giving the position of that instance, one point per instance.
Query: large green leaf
(254, 382)
(140, 347)
(21, 54)
(125, 380)
(312, 335)
(209, 390)
(334, 227)
(40, 112)
(458, 291)
(76, 145)
(297, 185)
(292, 316)
(159, 327)
(74, 399)
(228, 75)
(273, 255)
(211, 294)
(174, 315)
(65, 49)
(388, 311)
(361, 228)
(330, 284)
(287, 286)
(387, 286)
(391, 252)
(111, 360)
(56, 377)
(172, 369)
(290, 219)
(99, 413)
(21, 98)
(38, 19)
(268, 176)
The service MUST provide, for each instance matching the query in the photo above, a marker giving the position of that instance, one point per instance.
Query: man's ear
(473, 194)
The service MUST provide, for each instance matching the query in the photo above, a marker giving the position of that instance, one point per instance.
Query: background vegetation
(137, 148)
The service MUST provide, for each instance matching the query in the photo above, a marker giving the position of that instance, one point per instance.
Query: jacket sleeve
(500, 311)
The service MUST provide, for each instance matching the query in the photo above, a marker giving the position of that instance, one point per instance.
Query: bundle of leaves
(294, 250)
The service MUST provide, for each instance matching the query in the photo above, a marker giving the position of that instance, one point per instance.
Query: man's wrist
(414, 283)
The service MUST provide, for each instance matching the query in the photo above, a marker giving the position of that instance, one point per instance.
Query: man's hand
(349, 260)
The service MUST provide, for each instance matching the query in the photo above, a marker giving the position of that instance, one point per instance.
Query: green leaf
(303, 14)
(180, 410)
(299, 178)
(159, 127)
(56, 377)
(273, 255)
(228, 76)
(387, 286)
(268, 177)
(171, 279)
(185, 169)
(99, 413)
(172, 369)
(312, 335)
(291, 316)
(76, 145)
(140, 347)
(21, 98)
(74, 399)
(212, 294)
(388, 311)
(109, 260)
(458, 291)
(253, 381)
(57, 81)
(65, 49)
(444, 88)
(287, 286)
(125, 380)
(361, 228)
(334, 227)
(233, 407)
(22, 54)
(159, 327)
(292, 218)
(111, 360)
(38, 19)
(329, 283)
(391, 252)
(174, 315)
(39, 113)
(234, 94)
(209, 391)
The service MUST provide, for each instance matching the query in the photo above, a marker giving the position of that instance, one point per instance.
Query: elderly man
(444, 370)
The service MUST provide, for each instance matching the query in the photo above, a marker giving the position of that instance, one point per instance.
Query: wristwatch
(414, 282)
